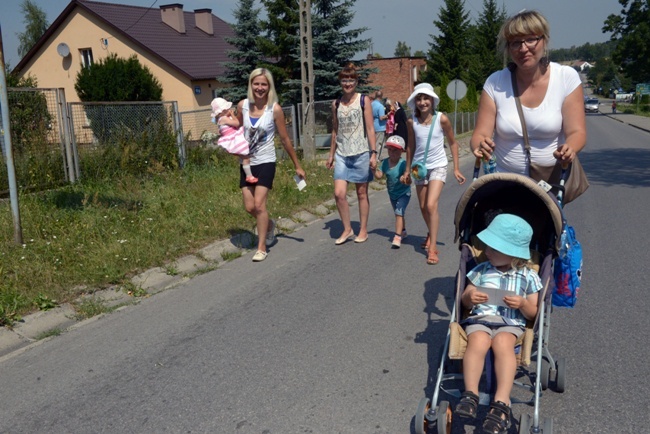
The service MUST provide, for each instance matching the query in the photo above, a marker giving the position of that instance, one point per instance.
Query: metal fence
(94, 126)
(39, 143)
(49, 136)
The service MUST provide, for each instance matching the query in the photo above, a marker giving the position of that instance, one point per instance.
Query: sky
(573, 22)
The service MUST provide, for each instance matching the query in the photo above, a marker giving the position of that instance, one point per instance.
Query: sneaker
(404, 234)
(259, 256)
(270, 233)
(397, 242)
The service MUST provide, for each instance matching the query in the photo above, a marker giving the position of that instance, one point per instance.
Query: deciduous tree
(402, 50)
(35, 26)
(632, 31)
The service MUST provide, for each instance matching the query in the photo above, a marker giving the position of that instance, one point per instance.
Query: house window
(86, 57)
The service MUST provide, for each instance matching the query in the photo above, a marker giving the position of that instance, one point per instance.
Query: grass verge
(89, 236)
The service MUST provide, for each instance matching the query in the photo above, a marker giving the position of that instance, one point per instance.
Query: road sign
(643, 89)
(456, 89)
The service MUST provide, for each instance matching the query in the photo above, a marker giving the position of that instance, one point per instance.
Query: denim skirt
(355, 168)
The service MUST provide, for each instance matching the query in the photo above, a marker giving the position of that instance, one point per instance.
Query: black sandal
(497, 421)
(468, 405)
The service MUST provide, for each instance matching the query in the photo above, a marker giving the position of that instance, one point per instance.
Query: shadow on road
(627, 166)
(437, 324)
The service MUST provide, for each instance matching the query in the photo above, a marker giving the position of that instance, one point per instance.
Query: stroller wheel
(443, 422)
(525, 423)
(421, 423)
(560, 378)
(545, 374)
(548, 425)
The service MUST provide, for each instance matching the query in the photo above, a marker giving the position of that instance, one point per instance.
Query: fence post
(178, 129)
(64, 131)
(11, 169)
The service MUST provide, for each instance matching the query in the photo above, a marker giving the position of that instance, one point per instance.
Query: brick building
(397, 76)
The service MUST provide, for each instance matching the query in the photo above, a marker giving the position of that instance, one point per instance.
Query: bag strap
(426, 150)
(520, 111)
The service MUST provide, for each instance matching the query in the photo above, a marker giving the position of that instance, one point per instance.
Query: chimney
(172, 15)
(203, 20)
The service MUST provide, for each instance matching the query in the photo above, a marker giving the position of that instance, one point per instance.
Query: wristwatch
(373, 151)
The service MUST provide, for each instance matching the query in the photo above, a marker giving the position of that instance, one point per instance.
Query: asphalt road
(346, 339)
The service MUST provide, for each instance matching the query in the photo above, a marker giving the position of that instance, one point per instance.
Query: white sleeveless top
(437, 156)
(263, 132)
(544, 123)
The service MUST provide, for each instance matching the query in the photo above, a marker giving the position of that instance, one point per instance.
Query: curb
(41, 326)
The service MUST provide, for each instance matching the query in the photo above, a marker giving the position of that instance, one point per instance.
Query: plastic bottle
(490, 166)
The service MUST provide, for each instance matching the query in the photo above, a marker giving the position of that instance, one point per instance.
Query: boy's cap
(396, 142)
(219, 105)
(509, 234)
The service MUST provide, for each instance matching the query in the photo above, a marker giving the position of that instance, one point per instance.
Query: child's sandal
(468, 405)
(497, 421)
(432, 257)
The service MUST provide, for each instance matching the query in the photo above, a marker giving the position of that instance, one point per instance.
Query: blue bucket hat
(509, 234)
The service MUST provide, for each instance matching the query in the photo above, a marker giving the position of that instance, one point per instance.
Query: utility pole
(6, 131)
(307, 76)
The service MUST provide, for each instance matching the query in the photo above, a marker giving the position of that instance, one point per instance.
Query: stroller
(519, 195)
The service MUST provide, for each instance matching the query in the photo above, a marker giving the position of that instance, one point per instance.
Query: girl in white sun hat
(426, 133)
(231, 135)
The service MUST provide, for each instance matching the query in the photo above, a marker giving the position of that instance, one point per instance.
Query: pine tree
(485, 58)
(448, 54)
(246, 55)
(36, 25)
(333, 46)
(281, 37)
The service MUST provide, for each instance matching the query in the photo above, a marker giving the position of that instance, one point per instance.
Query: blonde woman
(262, 118)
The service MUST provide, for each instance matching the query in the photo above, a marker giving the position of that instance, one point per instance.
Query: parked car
(591, 105)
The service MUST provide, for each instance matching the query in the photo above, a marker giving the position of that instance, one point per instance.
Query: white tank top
(437, 156)
(260, 136)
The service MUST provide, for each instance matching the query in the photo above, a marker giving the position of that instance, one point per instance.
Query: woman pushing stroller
(497, 324)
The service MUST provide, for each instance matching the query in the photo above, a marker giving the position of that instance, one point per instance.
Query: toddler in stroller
(501, 295)
(490, 195)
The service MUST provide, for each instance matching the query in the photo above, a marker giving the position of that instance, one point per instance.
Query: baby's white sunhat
(426, 89)
(219, 105)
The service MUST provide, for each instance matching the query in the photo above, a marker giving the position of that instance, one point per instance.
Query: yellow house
(185, 51)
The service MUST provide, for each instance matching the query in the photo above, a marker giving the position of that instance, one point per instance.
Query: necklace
(427, 121)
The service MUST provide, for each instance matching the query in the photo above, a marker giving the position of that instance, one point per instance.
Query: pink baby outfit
(232, 140)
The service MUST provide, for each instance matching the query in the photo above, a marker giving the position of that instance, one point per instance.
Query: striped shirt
(522, 281)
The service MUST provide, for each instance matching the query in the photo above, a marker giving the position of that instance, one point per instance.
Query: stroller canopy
(514, 194)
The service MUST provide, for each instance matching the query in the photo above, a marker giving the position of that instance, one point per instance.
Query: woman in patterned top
(352, 152)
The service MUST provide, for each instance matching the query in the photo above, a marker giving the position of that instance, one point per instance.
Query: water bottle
(490, 166)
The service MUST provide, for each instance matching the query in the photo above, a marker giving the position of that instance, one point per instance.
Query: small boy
(400, 194)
